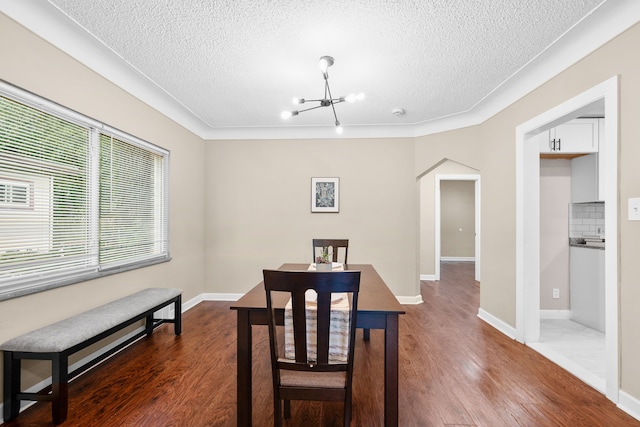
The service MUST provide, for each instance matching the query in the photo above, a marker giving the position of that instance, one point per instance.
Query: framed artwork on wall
(325, 194)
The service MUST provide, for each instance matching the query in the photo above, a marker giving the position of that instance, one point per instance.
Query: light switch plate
(634, 209)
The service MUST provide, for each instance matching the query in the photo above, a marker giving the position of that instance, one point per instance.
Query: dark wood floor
(454, 371)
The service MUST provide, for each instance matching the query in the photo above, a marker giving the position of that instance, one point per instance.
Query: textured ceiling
(238, 63)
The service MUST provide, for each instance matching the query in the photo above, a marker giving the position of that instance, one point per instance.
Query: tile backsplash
(586, 219)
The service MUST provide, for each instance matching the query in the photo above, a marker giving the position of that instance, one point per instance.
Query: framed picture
(325, 194)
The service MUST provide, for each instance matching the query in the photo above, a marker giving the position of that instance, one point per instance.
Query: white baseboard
(410, 300)
(555, 314)
(427, 277)
(220, 297)
(457, 258)
(629, 404)
(501, 326)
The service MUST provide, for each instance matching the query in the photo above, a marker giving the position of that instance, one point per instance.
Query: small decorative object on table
(323, 263)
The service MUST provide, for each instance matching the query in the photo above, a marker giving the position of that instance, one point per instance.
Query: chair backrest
(334, 244)
(296, 284)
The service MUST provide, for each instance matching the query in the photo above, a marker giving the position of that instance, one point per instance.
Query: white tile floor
(575, 347)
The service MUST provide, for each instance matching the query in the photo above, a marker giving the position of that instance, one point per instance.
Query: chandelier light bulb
(325, 63)
(286, 114)
(297, 100)
(352, 97)
(339, 130)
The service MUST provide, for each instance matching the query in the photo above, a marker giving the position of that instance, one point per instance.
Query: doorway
(439, 178)
(528, 136)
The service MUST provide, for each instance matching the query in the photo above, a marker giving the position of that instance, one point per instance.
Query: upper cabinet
(575, 136)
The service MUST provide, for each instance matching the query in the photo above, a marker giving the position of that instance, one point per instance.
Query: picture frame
(325, 195)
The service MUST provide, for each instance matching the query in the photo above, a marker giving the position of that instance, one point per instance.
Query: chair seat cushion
(312, 379)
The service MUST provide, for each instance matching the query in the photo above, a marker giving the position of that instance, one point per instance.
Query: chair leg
(287, 409)
(347, 411)
(277, 412)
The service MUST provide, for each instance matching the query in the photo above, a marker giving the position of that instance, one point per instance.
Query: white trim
(629, 404)
(220, 297)
(609, 20)
(407, 300)
(528, 220)
(457, 258)
(477, 214)
(501, 326)
(428, 277)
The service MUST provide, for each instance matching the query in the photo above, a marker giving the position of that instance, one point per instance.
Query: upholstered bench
(57, 341)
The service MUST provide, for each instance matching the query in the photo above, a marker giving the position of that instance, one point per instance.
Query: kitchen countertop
(579, 242)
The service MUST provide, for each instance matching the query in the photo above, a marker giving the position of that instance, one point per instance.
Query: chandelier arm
(328, 89)
(311, 108)
(315, 100)
(326, 85)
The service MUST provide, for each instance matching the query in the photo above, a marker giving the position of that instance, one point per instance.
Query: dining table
(378, 308)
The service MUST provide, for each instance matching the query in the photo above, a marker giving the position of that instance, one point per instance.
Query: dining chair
(334, 244)
(314, 373)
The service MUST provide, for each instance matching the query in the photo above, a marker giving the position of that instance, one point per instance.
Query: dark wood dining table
(378, 308)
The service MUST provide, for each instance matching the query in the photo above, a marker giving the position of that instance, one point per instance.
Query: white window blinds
(132, 202)
(76, 197)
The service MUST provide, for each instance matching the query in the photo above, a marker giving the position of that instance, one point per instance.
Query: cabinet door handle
(552, 145)
(559, 146)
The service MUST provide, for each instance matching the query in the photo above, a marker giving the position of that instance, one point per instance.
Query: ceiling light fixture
(328, 100)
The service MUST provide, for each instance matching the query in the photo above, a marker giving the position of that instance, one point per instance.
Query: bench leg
(59, 387)
(177, 315)
(149, 324)
(11, 405)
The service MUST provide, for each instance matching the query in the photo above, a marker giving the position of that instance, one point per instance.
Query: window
(15, 194)
(78, 199)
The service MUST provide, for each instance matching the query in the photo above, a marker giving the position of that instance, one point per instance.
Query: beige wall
(259, 201)
(555, 195)
(34, 65)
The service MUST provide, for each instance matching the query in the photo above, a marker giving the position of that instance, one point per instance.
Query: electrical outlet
(556, 293)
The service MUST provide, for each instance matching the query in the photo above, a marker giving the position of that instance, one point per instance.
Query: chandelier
(328, 100)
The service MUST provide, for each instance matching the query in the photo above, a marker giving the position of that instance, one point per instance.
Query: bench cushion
(74, 330)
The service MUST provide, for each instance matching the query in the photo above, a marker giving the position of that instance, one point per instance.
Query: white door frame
(528, 220)
(457, 177)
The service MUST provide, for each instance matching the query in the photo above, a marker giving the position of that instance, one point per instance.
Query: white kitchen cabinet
(586, 286)
(584, 179)
(602, 163)
(574, 136)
